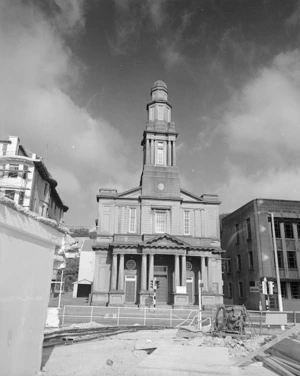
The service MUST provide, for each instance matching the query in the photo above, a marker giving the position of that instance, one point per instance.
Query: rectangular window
(240, 286)
(160, 153)
(228, 266)
(4, 149)
(186, 222)
(248, 228)
(291, 258)
(229, 290)
(238, 263)
(119, 219)
(25, 173)
(21, 198)
(160, 221)
(283, 290)
(2, 168)
(13, 170)
(288, 230)
(276, 228)
(10, 194)
(280, 259)
(250, 260)
(237, 233)
(295, 290)
(215, 287)
(132, 220)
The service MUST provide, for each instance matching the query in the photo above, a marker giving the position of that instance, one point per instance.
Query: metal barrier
(123, 316)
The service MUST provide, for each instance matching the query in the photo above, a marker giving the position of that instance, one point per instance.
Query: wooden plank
(289, 348)
(278, 354)
(288, 365)
(260, 351)
(276, 367)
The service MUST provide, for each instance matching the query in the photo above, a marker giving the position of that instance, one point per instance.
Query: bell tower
(160, 176)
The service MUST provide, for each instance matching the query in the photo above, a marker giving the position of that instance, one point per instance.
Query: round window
(189, 266)
(130, 264)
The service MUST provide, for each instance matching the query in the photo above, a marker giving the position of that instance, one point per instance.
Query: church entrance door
(161, 275)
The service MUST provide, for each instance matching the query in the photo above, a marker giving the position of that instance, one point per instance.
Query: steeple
(159, 146)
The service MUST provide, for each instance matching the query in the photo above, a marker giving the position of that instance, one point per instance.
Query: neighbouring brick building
(157, 229)
(247, 238)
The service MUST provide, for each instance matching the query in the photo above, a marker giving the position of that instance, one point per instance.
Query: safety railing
(124, 316)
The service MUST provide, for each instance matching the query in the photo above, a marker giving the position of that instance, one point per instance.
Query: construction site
(228, 343)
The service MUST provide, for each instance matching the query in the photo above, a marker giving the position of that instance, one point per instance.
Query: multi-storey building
(25, 179)
(157, 230)
(247, 238)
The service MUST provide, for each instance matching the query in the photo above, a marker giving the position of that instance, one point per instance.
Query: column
(151, 270)
(121, 273)
(152, 151)
(169, 153)
(177, 283)
(183, 270)
(147, 151)
(203, 273)
(174, 154)
(209, 272)
(144, 272)
(113, 284)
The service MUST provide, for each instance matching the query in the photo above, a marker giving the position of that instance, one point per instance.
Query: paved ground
(123, 354)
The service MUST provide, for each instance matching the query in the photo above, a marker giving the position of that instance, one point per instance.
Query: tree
(70, 273)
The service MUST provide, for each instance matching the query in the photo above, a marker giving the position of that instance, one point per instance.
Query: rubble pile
(237, 348)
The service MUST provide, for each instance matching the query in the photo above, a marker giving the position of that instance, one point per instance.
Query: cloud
(261, 127)
(38, 72)
(242, 187)
(265, 114)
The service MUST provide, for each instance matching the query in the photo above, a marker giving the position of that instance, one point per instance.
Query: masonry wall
(26, 253)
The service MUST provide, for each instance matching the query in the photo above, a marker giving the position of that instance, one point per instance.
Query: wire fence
(125, 316)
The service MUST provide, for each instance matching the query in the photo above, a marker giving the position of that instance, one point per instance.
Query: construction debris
(281, 355)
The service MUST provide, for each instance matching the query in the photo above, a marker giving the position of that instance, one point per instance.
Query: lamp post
(280, 306)
(60, 287)
(200, 285)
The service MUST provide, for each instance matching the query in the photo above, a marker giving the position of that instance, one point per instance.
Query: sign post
(200, 285)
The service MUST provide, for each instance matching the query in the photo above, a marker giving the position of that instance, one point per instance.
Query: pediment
(187, 196)
(165, 240)
(132, 193)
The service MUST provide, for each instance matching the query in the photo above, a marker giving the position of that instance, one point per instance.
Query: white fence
(124, 316)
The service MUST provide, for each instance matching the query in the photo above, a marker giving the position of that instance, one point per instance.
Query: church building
(157, 231)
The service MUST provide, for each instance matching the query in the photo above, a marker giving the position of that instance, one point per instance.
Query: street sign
(254, 289)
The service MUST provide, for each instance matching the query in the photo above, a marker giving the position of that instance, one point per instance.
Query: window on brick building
(295, 290)
(250, 260)
(288, 230)
(237, 233)
(238, 263)
(240, 287)
(228, 266)
(249, 235)
(229, 290)
(280, 259)
(283, 290)
(276, 228)
(291, 258)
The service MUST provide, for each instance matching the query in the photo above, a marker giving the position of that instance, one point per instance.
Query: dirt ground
(117, 355)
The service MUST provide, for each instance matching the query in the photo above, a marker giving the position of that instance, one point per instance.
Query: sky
(76, 77)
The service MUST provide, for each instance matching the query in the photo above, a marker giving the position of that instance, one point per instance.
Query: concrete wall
(26, 254)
